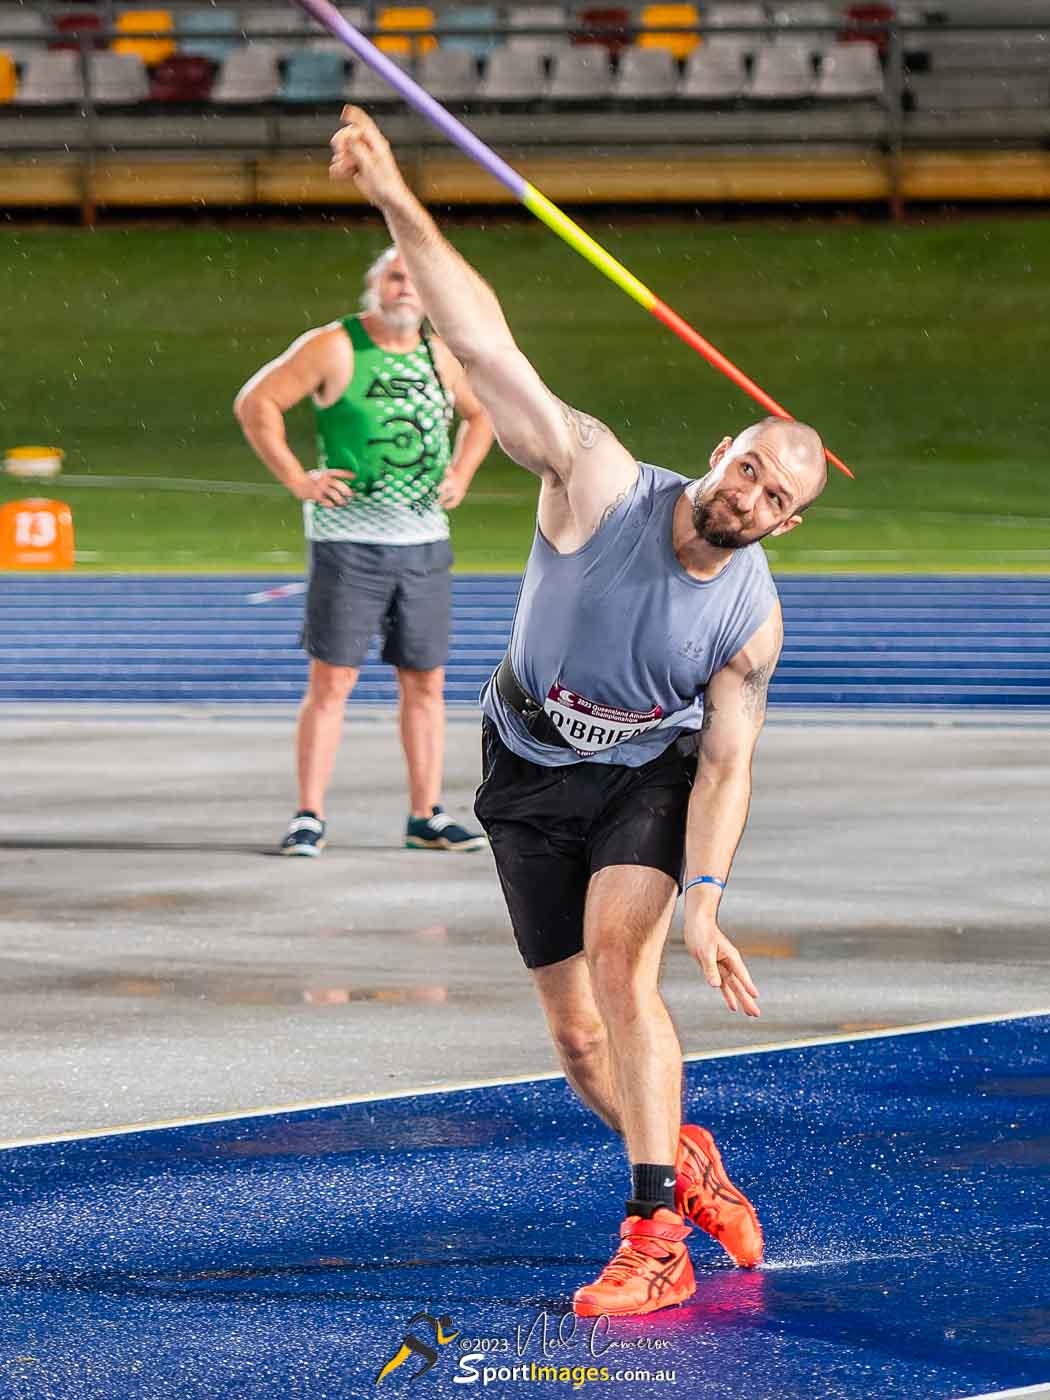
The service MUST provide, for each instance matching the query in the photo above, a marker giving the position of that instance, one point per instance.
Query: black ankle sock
(652, 1186)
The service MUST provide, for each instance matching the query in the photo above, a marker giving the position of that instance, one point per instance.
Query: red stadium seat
(860, 20)
(607, 25)
(183, 78)
(73, 24)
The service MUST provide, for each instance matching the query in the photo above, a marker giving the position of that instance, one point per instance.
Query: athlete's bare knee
(580, 1041)
(422, 687)
(330, 686)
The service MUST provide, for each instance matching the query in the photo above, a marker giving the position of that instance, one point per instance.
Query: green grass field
(921, 353)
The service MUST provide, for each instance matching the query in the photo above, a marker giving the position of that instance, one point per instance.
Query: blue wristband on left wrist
(704, 880)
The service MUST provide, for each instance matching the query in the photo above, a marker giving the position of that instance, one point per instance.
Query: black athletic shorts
(550, 829)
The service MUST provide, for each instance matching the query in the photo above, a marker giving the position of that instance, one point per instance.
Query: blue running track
(851, 641)
(904, 1184)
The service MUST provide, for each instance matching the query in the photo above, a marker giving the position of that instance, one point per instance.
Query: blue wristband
(704, 880)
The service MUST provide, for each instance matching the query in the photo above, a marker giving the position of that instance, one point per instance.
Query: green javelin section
(391, 429)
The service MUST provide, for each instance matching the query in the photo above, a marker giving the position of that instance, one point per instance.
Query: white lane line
(311, 1105)
(1008, 1394)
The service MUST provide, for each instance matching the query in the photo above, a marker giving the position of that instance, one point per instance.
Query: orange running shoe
(650, 1270)
(706, 1196)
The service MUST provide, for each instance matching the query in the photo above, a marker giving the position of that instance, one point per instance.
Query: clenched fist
(362, 153)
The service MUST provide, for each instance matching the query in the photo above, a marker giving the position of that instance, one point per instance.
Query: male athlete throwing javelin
(645, 636)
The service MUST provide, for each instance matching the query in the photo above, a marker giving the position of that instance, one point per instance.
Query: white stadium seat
(851, 71)
(51, 79)
(581, 75)
(250, 74)
(713, 75)
(646, 75)
(783, 73)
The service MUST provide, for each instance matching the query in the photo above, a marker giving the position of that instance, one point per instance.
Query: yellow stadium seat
(8, 77)
(680, 45)
(406, 17)
(151, 51)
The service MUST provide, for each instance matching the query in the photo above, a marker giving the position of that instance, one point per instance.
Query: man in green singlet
(383, 391)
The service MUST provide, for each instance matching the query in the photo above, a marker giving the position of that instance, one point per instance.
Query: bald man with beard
(618, 738)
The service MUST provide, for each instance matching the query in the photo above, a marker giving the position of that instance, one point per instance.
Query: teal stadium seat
(314, 77)
(191, 25)
(470, 17)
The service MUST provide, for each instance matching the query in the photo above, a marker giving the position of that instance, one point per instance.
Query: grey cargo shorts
(399, 592)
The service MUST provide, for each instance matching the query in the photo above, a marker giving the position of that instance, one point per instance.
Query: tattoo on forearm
(586, 430)
(756, 688)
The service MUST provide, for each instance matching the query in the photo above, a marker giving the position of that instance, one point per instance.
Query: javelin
(537, 203)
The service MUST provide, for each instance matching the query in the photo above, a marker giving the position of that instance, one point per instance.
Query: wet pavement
(160, 961)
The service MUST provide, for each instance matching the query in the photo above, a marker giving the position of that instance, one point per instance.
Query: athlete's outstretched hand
(361, 152)
(722, 965)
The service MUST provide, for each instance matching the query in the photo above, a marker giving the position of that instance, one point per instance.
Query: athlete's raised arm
(734, 712)
(565, 447)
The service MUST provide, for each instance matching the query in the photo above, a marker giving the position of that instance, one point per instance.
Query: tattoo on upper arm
(709, 715)
(611, 508)
(756, 688)
(585, 429)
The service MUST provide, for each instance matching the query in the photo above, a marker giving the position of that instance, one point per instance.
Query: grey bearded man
(383, 392)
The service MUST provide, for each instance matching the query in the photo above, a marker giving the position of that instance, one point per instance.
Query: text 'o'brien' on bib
(589, 727)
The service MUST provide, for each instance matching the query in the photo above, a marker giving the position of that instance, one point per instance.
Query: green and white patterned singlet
(390, 428)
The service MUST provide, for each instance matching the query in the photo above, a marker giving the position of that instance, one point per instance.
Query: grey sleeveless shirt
(618, 641)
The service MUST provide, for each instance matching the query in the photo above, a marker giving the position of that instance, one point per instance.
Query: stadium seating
(537, 45)
(963, 53)
(118, 79)
(280, 28)
(314, 77)
(850, 71)
(183, 78)
(471, 17)
(791, 22)
(406, 17)
(18, 23)
(604, 25)
(783, 73)
(51, 79)
(133, 23)
(513, 76)
(581, 75)
(450, 75)
(323, 42)
(713, 74)
(8, 77)
(249, 75)
(742, 12)
(863, 25)
(369, 89)
(72, 25)
(209, 32)
(654, 37)
(646, 75)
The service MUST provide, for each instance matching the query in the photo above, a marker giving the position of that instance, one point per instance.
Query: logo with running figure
(411, 1345)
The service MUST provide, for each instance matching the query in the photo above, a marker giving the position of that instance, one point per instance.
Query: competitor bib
(588, 726)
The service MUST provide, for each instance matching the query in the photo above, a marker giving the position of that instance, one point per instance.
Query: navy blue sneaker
(305, 835)
(439, 832)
